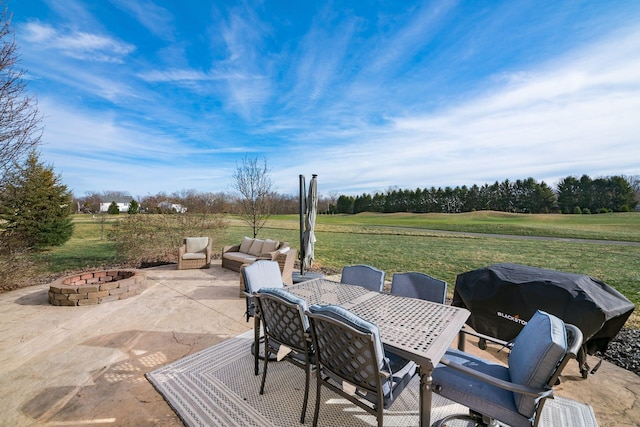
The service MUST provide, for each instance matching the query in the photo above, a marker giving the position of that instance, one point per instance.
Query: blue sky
(162, 96)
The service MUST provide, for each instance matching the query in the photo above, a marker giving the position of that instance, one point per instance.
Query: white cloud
(77, 44)
(350, 107)
(187, 75)
(570, 116)
(248, 88)
(95, 152)
(153, 17)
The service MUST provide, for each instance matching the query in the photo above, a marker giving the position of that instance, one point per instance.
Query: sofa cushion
(239, 257)
(197, 244)
(246, 245)
(194, 255)
(256, 247)
(269, 246)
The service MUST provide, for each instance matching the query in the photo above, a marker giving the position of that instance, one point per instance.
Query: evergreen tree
(35, 205)
(133, 207)
(113, 208)
(344, 204)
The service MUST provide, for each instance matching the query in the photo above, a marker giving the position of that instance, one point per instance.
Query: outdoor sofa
(251, 250)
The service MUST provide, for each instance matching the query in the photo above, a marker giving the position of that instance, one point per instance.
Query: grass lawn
(412, 242)
(612, 226)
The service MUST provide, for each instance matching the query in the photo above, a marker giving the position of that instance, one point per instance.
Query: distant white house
(122, 202)
(172, 207)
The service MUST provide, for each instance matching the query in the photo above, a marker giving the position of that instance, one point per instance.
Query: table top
(323, 291)
(416, 329)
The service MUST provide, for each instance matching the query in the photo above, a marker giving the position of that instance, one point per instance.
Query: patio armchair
(363, 275)
(351, 361)
(513, 394)
(195, 252)
(419, 285)
(286, 334)
(260, 274)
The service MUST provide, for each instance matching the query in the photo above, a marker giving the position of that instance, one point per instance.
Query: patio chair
(286, 262)
(195, 252)
(363, 275)
(351, 361)
(513, 394)
(286, 332)
(260, 274)
(419, 285)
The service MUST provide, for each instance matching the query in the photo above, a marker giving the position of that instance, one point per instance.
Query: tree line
(572, 195)
(193, 200)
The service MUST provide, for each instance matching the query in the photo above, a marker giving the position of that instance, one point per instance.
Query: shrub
(577, 210)
(155, 238)
(16, 267)
(586, 211)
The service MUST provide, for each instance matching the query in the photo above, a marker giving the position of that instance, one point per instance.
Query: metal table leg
(425, 396)
(256, 342)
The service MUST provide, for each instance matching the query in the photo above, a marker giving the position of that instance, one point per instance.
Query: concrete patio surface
(85, 366)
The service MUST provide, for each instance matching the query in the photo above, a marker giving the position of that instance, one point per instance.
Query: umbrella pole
(302, 207)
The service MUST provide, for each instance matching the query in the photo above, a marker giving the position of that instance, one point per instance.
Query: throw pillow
(246, 245)
(269, 246)
(256, 247)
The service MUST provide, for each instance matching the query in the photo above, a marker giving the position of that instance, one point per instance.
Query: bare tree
(196, 202)
(252, 183)
(110, 195)
(20, 133)
(20, 120)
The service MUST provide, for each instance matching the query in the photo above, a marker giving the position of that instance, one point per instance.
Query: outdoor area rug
(217, 387)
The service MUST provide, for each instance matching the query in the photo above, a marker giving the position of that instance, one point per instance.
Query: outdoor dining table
(415, 329)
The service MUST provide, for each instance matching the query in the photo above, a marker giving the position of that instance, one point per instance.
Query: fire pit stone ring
(96, 287)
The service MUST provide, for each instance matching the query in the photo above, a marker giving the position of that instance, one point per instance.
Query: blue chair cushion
(262, 274)
(357, 322)
(535, 354)
(401, 370)
(288, 297)
(476, 394)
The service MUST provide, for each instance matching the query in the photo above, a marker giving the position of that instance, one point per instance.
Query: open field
(407, 242)
(613, 226)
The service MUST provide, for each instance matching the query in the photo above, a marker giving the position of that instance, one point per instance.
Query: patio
(86, 365)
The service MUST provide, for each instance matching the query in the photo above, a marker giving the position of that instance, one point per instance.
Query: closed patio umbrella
(310, 210)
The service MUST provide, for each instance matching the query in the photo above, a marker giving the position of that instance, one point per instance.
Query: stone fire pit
(96, 287)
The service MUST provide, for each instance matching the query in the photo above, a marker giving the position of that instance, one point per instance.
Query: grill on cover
(502, 297)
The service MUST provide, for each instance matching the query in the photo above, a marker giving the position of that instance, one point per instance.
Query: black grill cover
(502, 297)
